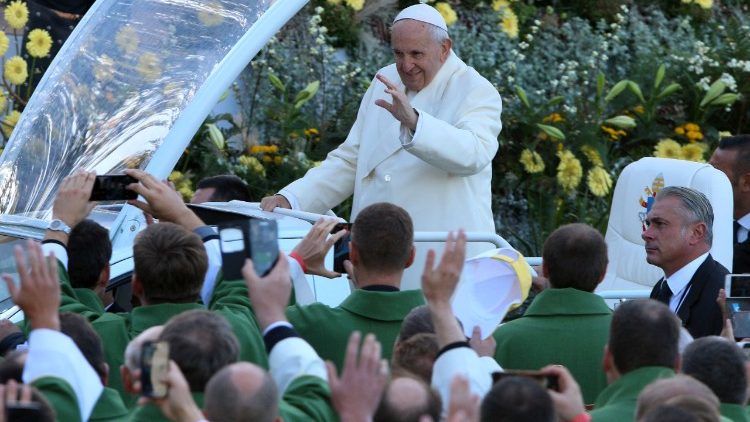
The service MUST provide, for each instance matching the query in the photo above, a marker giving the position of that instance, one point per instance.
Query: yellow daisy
(447, 12)
(4, 42)
(705, 4)
(500, 4)
(3, 101)
(668, 148)
(253, 164)
(9, 122)
(127, 39)
(599, 181)
(211, 15)
(40, 42)
(569, 171)
(357, 5)
(593, 155)
(16, 14)
(509, 23)
(694, 152)
(149, 66)
(532, 161)
(16, 70)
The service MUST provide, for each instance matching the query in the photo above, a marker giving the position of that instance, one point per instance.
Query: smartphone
(745, 346)
(254, 238)
(112, 187)
(737, 287)
(154, 368)
(24, 412)
(341, 247)
(547, 381)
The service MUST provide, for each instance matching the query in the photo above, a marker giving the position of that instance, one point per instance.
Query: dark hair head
(227, 187)
(517, 399)
(170, 263)
(80, 330)
(417, 321)
(232, 395)
(407, 399)
(575, 256)
(719, 364)
(89, 252)
(644, 332)
(200, 343)
(384, 235)
(417, 355)
(741, 144)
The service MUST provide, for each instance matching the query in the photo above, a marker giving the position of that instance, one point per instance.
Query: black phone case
(111, 187)
(232, 262)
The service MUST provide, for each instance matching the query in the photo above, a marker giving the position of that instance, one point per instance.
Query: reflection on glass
(7, 266)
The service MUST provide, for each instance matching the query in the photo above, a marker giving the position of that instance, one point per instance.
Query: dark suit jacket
(699, 312)
(741, 262)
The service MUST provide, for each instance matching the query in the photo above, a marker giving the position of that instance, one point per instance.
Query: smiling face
(418, 56)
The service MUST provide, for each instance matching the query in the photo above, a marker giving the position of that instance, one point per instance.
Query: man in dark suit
(678, 240)
(733, 158)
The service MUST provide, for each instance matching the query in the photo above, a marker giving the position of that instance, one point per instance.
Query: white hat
(423, 13)
(491, 283)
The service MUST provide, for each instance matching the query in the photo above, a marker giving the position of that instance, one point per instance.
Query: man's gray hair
(438, 34)
(695, 207)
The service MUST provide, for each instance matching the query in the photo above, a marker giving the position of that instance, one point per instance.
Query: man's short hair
(417, 355)
(741, 144)
(80, 330)
(664, 389)
(575, 256)
(396, 406)
(384, 235)
(89, 252)
(170, 263)
(719, 364)
(644, 332)
(227, 187)
(517, 399)
(200, 343)
(225, 401)
(695, 208)
(417, 321)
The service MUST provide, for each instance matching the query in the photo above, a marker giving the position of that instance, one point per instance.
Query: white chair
(628, 269)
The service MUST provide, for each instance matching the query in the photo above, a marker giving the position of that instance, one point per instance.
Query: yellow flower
(614, 134)
(39, 43)
(532, 161)
(668, 148)
(16, 70)
(679, 130)
(724, 134)
(3, 43)
(10, 122)
(569, 171)
(253, 164)
(447, 12)
(311, 132)
(694, 152)
(509, 23)
(694, 136)
(639, 109)
(705, 4)
(500, 4)
(16, 14)
(277, 160)
(267, 159)
(553, 118)
(3, 101)
(149, 66)
(599, 181)
(334, 2)
(357, 5)
(592, 154)
(211, 14)
(127, 39)
(692, 127)
(104, 69)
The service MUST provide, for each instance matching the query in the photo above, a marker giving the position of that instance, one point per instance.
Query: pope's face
(418, 56)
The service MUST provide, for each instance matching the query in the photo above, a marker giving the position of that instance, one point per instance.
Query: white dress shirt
(678, 282)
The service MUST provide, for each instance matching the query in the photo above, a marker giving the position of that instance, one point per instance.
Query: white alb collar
(681, 277)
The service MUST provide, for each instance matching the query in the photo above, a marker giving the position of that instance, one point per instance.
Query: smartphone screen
(23, 412)
(547, 381)
(264, 245)
(112, 187)
(154, 368)
(341, 247)
(234, 245)
(737, 285)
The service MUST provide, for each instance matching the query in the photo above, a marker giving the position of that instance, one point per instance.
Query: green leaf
(616, 90)
(623, 122)
(552, 131)
(716, 89)
(669, 90)
(635, 89)
(725, 99)
(555, 100)
(600, 80)
(275, 81)
(522, 95)
(215, 135)
(312, 88)
(660, 75)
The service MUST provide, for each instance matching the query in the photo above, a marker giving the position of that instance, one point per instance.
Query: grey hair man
(678, 239)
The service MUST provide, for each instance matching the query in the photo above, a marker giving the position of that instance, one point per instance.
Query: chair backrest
(633, 196)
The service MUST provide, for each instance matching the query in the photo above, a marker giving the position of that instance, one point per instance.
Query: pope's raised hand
(400, 108)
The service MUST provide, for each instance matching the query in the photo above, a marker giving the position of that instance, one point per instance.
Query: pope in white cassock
(424, 139)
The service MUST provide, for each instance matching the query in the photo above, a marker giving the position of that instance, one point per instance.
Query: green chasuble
(89, 298)
(307, 398)
(734, 412)
(327, 329)
(617, 402)
(61, 396)
(109, 408)
(566, 327)
(152, 413)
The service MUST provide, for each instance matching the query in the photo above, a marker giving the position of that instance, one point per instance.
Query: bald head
(407, 399)
(241, 392)
(659, 392)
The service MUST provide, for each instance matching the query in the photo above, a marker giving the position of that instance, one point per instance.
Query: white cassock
(441, 175)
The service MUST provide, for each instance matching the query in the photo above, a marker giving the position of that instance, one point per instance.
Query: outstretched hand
(269, 295)
(439, 283)
(72, 204)
(178, 405)
(162, 201)
(400, 108)
(316, 244)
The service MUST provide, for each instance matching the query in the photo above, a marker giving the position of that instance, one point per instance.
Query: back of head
(517, 399)
(662, 390)
(416, 355)
(575, 255)
(644, 332)
(80, 330)
(170, 263)
(89, 252)
(719, 364)
(417, 321)
(672, 413)
(227, 187)
(407, 399)
(741, 144)
(241, 392)
(694, 208)
(200, 343)
(384, 236)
